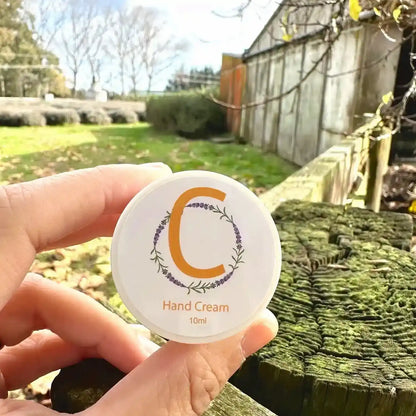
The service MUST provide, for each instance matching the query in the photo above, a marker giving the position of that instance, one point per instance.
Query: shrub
(188, 114)
(123, 116)
(141, 115)
(94, 116)
(59, 117)
(21, 118)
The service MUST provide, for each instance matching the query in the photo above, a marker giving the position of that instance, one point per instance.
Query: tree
(195, 79)
(25, 64)
(123, 42)
(158, 50)
(82, 30)
(46, 18)
(138, 41)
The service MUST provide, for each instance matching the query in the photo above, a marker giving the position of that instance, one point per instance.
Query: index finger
(36, 215)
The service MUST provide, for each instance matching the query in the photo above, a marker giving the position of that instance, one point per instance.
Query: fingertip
(158, 168)
(259, 333)
(140, 330)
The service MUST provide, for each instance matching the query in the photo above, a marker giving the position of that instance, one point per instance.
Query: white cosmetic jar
(196, 257)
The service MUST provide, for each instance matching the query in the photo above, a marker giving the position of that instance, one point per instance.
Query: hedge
(21, 118)
(122, 116)
(188, 114)
(94, 116)
(59, 117)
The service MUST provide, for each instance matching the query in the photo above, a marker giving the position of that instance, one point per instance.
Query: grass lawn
(30, 152)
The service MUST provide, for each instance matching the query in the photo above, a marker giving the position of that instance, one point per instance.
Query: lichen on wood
(345, 303)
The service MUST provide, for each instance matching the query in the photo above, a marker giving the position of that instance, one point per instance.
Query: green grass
(30, 152)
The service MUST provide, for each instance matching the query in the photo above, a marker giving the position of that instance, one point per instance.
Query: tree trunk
(74, 81)
(149, 83)
(122, 78)
(134, 87)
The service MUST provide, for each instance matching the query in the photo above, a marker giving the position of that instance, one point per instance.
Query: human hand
(178, 379)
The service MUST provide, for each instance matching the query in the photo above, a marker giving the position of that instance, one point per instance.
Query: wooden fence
(233, 78)
(323, 109)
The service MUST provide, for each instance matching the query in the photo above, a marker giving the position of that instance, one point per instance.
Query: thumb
(182, 379)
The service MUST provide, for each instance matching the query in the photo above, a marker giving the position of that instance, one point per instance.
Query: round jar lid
(195, 257)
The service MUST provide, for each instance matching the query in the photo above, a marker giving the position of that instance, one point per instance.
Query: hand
(177, 379)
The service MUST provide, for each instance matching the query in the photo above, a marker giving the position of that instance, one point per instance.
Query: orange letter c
(174, 233)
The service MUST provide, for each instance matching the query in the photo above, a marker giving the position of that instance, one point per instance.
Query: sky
(195, 21)
(209, 35)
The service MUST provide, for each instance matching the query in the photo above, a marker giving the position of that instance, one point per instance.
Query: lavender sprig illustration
(199, 287)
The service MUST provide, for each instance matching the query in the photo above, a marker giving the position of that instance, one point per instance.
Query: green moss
(345, 305)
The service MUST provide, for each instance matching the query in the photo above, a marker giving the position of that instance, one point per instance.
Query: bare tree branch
(238, 12)
(80, 33)
(158, 51)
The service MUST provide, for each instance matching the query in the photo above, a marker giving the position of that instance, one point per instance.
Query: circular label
(195, 257)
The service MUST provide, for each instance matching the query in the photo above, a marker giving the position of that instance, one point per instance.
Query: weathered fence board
(261, 91)
(274, 107)
(289, 106)
(341, 88)
(309, 120)
(360, 68)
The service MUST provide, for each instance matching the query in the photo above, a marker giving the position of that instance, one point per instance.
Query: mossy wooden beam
(345, 304)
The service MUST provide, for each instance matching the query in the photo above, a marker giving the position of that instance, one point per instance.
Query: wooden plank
(341, 88)
(249, 94)
(271, 121)
(312, 90)
(257, 135)
(288, 115)
(379, 75)
(232, 402)
(378, 163)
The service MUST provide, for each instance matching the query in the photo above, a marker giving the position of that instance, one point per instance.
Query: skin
(45, 326)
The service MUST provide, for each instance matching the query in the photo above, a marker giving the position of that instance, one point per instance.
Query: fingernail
(155, 165)
(143, 334)
(140, 330)
(148, 347)
(260, 333)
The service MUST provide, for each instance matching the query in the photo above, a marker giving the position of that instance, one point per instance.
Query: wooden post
(379, 152)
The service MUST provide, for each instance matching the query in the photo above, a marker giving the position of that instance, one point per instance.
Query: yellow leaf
(377, 12)
(287, 37)
(355, 9)
(387, 97)
(396, 13)
(412, 207)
